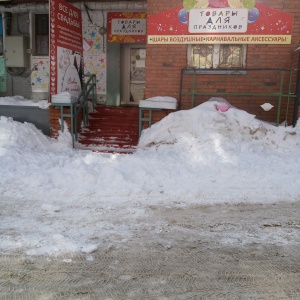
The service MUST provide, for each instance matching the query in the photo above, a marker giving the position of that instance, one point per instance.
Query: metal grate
(245, 83)
(216, 56)
(231, 56)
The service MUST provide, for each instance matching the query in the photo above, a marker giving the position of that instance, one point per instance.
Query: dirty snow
(55, 199)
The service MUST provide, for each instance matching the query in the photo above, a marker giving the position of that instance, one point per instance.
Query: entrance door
(133, 69)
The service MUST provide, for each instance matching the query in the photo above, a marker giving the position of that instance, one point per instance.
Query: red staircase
(111, 129)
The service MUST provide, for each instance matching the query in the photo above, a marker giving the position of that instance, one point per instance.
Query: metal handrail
(194, 90)
(81, 103)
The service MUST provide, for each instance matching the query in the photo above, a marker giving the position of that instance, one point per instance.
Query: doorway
(133, 70)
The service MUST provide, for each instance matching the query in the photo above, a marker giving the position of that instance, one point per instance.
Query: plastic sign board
(127, 27)
(220, 22)
(66, 48)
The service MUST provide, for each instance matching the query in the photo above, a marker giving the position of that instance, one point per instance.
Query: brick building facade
(165, 62)
(268, 69)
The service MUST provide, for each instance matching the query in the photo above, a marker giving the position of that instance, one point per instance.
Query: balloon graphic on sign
(218, 3)
(234, 3)
(183, 16)
(249, 4)
(189, 4)
(202, 4)
(253, 15)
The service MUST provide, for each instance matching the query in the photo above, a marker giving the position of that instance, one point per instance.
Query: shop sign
(220, 39)
(66, 50)
(128, 27)
(220, 21)
(124, 27)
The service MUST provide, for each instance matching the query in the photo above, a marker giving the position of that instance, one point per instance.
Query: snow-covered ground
(55, 199)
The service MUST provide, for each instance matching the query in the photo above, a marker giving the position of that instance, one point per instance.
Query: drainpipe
(25, 8)
(44, 7)
(296, 105)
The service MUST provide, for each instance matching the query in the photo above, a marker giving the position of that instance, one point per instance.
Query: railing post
(94, 95)
(288, 97)
(296, 104)
(280, 98)
(85, 106)
(193, 91)
(180, 88)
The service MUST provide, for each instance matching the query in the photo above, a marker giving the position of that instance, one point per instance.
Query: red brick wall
(157, 115)
(164, 64)
(163, 67)
(55, 126)
(54, 121)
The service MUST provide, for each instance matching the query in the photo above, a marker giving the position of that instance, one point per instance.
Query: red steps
(111, 129)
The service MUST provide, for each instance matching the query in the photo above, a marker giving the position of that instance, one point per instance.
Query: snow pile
(19, 136)
(204, 125)
(56, 199)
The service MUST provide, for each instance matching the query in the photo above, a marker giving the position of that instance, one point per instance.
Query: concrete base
(30, 114)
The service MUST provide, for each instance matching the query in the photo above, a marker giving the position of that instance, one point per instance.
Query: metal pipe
(193, 90)
(44, 7)
(288, 98)
(180, 88)
(296, 103)
(240, 94)
(280, 97)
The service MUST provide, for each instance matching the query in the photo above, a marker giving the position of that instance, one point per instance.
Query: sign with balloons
(220, 22)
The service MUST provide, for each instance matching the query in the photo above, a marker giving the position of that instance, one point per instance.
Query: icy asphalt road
(201, 252)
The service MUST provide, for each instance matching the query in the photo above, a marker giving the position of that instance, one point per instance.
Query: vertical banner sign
(66, 51)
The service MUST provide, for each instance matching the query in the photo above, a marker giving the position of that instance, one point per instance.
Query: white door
(133, 69)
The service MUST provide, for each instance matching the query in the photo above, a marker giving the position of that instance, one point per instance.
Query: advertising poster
(127, 27)
(220, 22)
(66, 50)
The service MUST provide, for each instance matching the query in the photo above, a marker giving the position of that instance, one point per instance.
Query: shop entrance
(133, 69)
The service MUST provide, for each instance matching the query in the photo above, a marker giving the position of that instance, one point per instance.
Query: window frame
(35, 51)
(215, 59)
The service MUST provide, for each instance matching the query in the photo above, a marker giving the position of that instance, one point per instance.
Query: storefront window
(41, 34)
(216, 56)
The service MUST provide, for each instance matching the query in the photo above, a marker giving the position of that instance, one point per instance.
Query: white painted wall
(35, 82)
